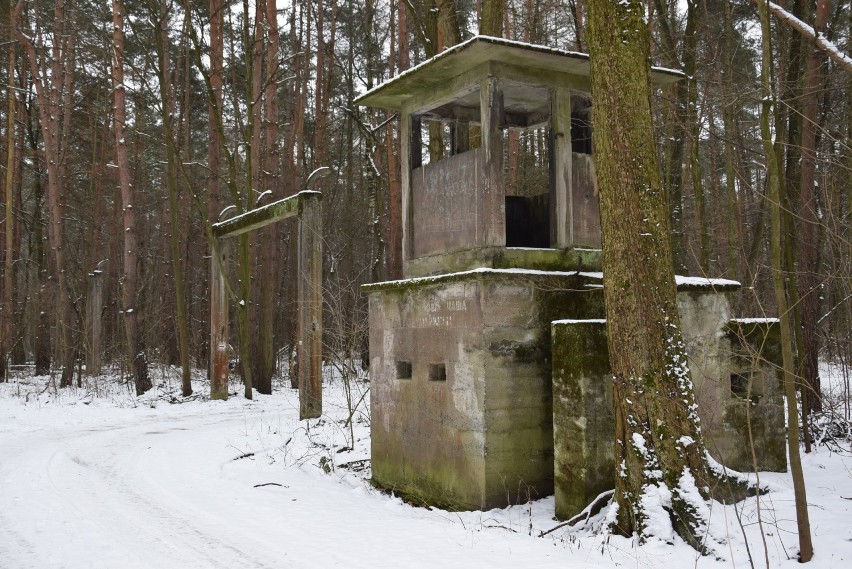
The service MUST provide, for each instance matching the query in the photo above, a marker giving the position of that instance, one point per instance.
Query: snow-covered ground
(97, 478)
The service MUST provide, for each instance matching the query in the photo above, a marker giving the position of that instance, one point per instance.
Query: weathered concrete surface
(718, 348)
(505, 258)
(755, 354)
(583, 415)
(446, 196)
(484, 437)
(585, 201)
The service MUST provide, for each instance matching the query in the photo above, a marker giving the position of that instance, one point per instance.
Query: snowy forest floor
(95, 477)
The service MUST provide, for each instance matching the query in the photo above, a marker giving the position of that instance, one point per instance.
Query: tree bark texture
(658, 442)
(270, 180)
(777, 243)
(52, 77)
(808, 241)
(9, 185)
(491, 17)
(130, 256)
(171, 169)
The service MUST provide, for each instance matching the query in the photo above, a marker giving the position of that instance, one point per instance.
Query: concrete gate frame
(307, 207)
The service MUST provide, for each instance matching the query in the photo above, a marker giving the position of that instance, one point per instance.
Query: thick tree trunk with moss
(659, 448)
(491, 17)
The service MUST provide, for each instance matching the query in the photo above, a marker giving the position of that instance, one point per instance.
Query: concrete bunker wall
(720, 351)
(481, 435)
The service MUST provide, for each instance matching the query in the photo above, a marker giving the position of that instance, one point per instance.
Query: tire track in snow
(81, 494)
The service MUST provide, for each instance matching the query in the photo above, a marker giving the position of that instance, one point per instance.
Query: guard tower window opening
(434, 141)
(746, 385)
(581, 126)
(403, 369)
(527, 182)
(441, 139)
(437, 372)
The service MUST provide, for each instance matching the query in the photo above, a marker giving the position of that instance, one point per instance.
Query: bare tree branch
(819, 39)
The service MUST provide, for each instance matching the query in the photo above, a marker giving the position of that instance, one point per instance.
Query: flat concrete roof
(467, 55)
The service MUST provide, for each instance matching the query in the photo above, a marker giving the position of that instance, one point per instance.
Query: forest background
(128, 127)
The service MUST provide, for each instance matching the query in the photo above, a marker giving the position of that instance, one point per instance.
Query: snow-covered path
(159, 488)
(118, 482)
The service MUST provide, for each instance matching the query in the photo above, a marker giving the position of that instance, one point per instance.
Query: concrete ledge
(577, 259)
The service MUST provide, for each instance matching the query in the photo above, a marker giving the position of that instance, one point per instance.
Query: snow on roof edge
(494, 40)
(697, 282)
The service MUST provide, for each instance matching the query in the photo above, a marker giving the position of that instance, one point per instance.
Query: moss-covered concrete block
(583, 419)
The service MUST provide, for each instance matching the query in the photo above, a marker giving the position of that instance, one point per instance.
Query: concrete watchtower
(461, 355)
(456, 212)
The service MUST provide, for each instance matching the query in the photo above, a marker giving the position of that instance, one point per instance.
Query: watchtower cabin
(459, 209)
(462, 364)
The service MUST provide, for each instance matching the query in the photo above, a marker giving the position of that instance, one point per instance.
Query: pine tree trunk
(172, 164)
(130, 255)
(54, 120)
(9, 184)
(491, 17)
(214, 107)
(808, 234)
(271, 179)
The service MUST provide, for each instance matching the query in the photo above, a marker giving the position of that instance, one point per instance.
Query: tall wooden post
(309, 347)
(218, 322)
(94, 309)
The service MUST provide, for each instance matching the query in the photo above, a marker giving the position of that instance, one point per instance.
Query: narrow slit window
(747, 385)
(437, 372)
(403, 370)
(739, 385)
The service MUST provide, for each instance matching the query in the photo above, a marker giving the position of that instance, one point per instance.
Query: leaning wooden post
(218, 322)
(94, 309)
(309, 346)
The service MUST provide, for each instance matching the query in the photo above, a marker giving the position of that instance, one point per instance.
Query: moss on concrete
(583, 420)
(568, 259)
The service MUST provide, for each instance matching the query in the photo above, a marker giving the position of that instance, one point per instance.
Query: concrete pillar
(309, 347)
(583, 416)
(218, 322)
(94, 323)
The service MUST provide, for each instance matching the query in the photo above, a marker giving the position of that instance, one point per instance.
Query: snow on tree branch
(832, 50)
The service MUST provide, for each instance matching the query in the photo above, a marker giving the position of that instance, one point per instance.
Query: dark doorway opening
(528, 221)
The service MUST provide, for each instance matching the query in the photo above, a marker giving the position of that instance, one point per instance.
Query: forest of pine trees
(127, 127)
